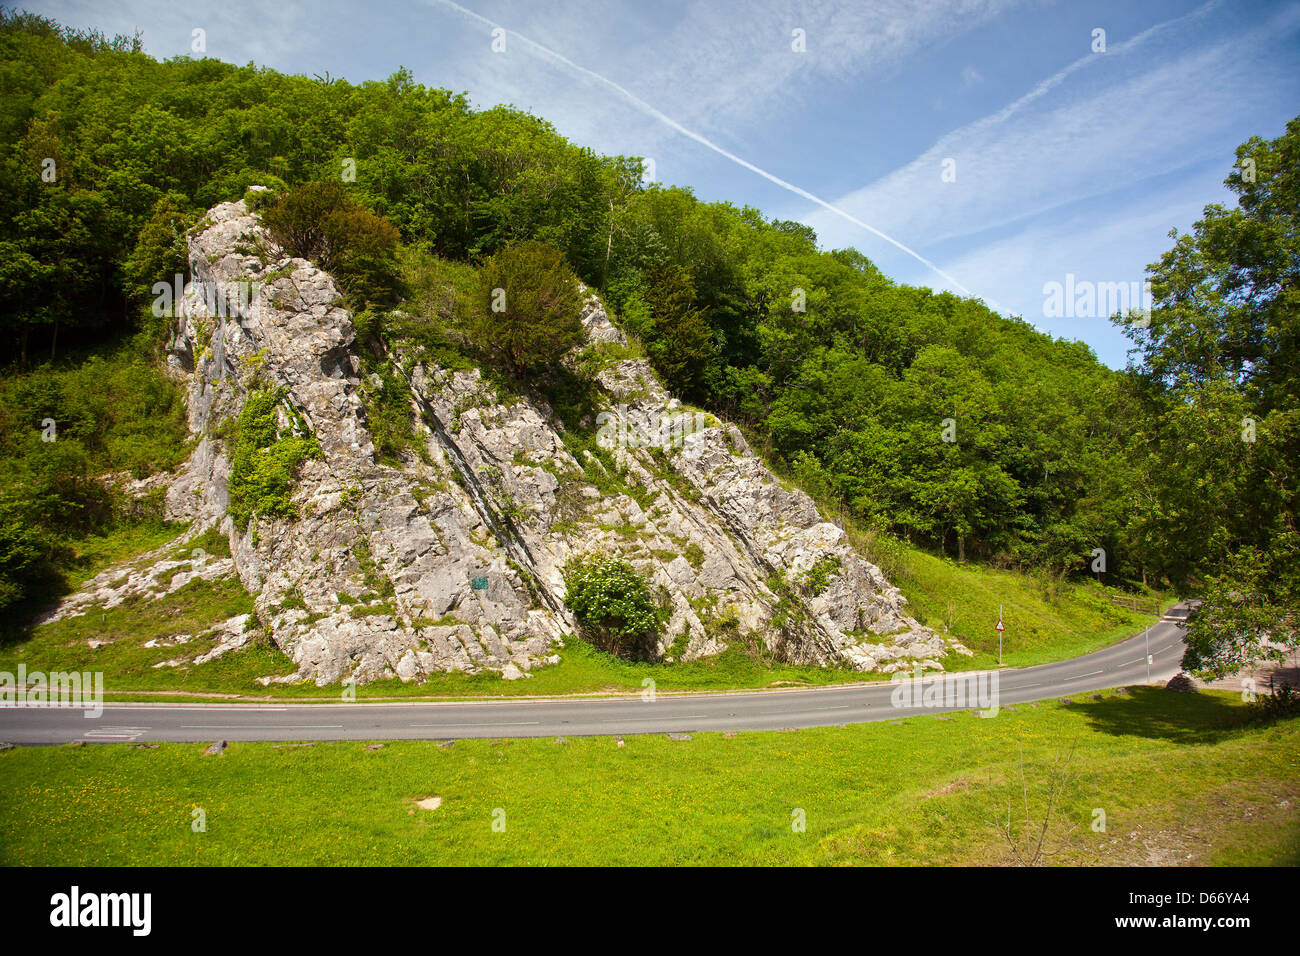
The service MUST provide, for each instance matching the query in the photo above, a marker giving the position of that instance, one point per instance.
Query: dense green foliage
(318, 221)
(125, 131)
(1218, 449)
(920, 414)
(62, 428)
(529, 307)
(265, 457)
(613, 603)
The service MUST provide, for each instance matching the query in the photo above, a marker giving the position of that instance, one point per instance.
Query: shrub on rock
(320, 222)
(529, 307)
(613, 603)
(265, 459)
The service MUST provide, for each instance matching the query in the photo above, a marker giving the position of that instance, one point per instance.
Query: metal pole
(1000, 636)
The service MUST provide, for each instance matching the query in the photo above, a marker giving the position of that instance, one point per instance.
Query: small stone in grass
(215, 749)
(429, 803)
(679, 736)
(444, 744)
(375, 746)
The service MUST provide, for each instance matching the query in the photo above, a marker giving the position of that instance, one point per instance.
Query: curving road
(1117, 665)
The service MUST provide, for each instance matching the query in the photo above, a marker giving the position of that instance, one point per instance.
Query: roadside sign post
(1000, 629)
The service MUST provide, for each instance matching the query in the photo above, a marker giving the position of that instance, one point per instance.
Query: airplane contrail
(647, 108)
(1059, 77)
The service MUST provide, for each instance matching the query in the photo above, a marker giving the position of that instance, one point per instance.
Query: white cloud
(723, 68)
(1093, 243)
(1062, 143)
(236, 31)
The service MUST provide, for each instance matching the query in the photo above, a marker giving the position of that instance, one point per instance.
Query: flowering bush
(613, 604)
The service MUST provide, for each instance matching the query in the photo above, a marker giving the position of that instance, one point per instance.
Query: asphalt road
(1120, 664)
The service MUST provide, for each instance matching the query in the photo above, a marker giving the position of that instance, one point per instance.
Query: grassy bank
(1047, 619)
(1181, 779)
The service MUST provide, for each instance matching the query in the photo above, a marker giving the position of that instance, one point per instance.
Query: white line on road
(261, 726)
(485, 724)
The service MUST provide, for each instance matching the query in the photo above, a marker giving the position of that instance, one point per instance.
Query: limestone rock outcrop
(454, 560)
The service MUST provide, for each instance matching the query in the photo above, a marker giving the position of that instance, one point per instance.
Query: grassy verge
(1181, 779)
(1046, 619)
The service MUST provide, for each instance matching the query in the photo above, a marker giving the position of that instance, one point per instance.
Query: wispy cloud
(634, 101)
(1094, 249)
(730, 63)
(728, 69)
(1063, 142)
(236, 31)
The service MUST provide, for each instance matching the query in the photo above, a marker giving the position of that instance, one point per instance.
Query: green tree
(677, 335)
(1219, 356)
(318, 221)
(529, 307)
(160, 252)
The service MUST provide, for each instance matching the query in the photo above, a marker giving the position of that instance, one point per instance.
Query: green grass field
(1182, 779)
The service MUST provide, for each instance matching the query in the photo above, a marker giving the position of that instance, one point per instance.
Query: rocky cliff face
(453, 561)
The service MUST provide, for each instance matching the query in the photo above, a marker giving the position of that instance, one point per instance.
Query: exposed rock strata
(473, 532)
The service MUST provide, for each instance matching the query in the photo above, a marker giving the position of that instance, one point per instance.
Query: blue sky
(1066, 160)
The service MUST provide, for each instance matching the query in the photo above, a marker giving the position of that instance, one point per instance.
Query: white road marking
(485, 724)
(261, 726)
(115, 733)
